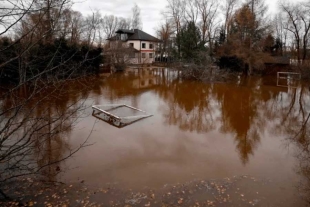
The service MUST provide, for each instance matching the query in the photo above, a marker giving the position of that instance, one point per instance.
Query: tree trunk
(304, 49)
(298, 50)
(4, 195)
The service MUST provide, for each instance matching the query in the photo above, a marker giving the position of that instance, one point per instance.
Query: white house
(143, 44)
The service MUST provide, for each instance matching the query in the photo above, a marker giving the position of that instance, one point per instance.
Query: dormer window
(124, 37)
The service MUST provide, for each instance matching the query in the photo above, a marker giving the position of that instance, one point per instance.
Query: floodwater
(252, 127)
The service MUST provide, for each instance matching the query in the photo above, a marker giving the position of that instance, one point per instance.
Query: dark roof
(136, 34)
(140, 35)
(124, 31)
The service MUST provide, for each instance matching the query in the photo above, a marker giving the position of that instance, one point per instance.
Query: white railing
(288, 79)
(288, 75)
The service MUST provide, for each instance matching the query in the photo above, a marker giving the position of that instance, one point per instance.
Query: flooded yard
(240, 143)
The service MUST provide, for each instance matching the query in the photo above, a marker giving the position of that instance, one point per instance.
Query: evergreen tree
(190, 41)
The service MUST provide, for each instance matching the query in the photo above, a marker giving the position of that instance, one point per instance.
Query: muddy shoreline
(235, 191)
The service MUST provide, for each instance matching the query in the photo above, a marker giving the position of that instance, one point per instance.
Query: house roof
(136, 34)
(140, 35)
(124, 31)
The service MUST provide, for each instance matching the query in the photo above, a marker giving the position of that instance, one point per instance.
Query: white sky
(150, 9)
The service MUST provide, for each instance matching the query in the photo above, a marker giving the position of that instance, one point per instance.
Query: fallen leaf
(180, 201)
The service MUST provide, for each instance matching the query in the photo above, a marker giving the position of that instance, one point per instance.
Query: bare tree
(212, 25)
(12, 12)
(229, 8)
(165, 34)
(38, 62)
(123, 23)
(175, 12)
(49, 16)
(258, 7)
(191, 11)
(76, 27)
(110, 25)
(305, 17)
(299, 25)
(207, 11)
(279, 25)
(92, 32)
(136, 22)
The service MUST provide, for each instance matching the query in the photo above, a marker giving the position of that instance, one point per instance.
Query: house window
(151, 46)
(143, 55)
(124, 37)
(130, 44)
(150, 55)
(143, 45)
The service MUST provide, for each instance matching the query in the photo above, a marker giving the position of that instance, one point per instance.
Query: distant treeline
(57, 59)
(237, 33)
(47, 40)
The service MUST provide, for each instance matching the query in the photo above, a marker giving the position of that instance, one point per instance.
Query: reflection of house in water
(135, 81)
(144, 78)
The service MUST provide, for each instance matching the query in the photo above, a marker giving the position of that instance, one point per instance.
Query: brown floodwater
(254, 127)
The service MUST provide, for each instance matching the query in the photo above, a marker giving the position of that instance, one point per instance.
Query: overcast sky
(150, 9)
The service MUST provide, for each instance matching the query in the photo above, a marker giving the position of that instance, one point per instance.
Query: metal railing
(289, 75)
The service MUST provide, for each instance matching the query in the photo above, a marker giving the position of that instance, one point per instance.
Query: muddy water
(250, 127)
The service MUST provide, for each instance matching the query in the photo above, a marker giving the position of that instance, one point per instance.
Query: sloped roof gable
(136, 34)
(124, 31)
(140, 35)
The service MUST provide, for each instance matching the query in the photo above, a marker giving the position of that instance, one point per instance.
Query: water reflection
(188, 106)
(244, 110)
(294, 124)
(302, 140)
(239, 112)
(36, 125)
(251, 113)
(204, 107)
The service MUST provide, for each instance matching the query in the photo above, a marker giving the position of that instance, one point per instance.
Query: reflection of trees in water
(292, 110)
(287, 114)
(51, 139)
(35, 128)
(199, 107)
(302, 140)
(189, 106)
(239, 112)
(242, 109)
(245, 110)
